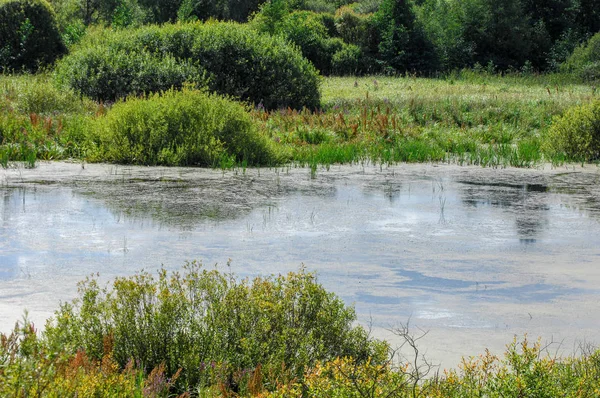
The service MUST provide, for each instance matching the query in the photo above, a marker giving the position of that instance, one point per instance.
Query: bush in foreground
(179, 128)
(232, 59)
(29, 35)
(209, 328)
(576, 134)
(206, 333)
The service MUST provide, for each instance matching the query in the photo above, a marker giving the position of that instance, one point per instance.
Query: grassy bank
(210, 334)
(468, 118)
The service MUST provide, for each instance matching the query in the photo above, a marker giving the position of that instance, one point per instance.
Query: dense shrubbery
(576, 134)
(230, 58)
(106, 74)
(29, 36)
(585, 60)
(205, 333)
(185, 128)
(212, 328)
(312, 33)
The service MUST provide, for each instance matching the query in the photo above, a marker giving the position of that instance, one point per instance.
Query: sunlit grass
(466, 118)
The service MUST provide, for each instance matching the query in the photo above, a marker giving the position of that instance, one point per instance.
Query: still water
(474, 256)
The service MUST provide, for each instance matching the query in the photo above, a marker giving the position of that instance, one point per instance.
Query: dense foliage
(467, 118)
(210, 327)
(178, 128)
(576, 134)
(231, 59)
(585, 60)
(206, 333)
(29, 36)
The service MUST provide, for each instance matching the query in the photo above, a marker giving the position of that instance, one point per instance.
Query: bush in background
(231, 59)
(29, 36)
(104, 73)
(584, 63)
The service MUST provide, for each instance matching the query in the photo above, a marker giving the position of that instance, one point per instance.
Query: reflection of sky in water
(432, 248)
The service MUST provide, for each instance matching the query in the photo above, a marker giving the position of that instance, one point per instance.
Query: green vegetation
(576, 134)
(209, 334)
(29, 36)
(466, 118)
(487, 105)
(229, 58)
(585, 60)
(178, 129)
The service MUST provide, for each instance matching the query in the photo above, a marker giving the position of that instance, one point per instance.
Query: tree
(402, 42)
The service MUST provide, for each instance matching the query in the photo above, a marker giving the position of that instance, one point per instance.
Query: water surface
(472, 255)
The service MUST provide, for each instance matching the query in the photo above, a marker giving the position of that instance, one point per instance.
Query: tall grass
(466, 118)
(469, 119)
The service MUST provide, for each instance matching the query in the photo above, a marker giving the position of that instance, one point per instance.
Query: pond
(474, 256)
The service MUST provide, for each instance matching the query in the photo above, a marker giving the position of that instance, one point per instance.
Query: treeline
(341, 37)
(373, 36)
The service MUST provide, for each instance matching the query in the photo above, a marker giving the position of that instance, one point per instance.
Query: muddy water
(474, 256)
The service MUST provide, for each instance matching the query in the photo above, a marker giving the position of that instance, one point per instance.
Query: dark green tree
(29, 35)
(403, 45)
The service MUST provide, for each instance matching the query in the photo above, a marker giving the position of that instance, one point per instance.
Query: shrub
(314, 34)
(235, 59)
(106, 74)
(179, 129)
(213, 326)
(28, 94)
(29, 36)
(576, 134)
(347, 61)
(584, 63)
(350, 25)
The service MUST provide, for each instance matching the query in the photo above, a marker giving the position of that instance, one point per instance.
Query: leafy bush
(231, 58)
(213, 326)
(28, 94)
(29, 36)
(314, 34)
(106, 74)
(576, 134)
(585, 60)
(178, 129)
(347, 61)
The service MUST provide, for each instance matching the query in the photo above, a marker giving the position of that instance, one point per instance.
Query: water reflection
(526, 202)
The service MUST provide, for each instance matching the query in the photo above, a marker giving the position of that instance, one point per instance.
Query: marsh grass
(466, 118)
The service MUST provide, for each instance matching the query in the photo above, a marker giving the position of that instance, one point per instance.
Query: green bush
(315, 35)
(402, 43)
(232, 59)
(178, 128)
(107, 74)
(29, 36)
(213, 326)
(584, 63)
(576, 134)
(347, 61)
